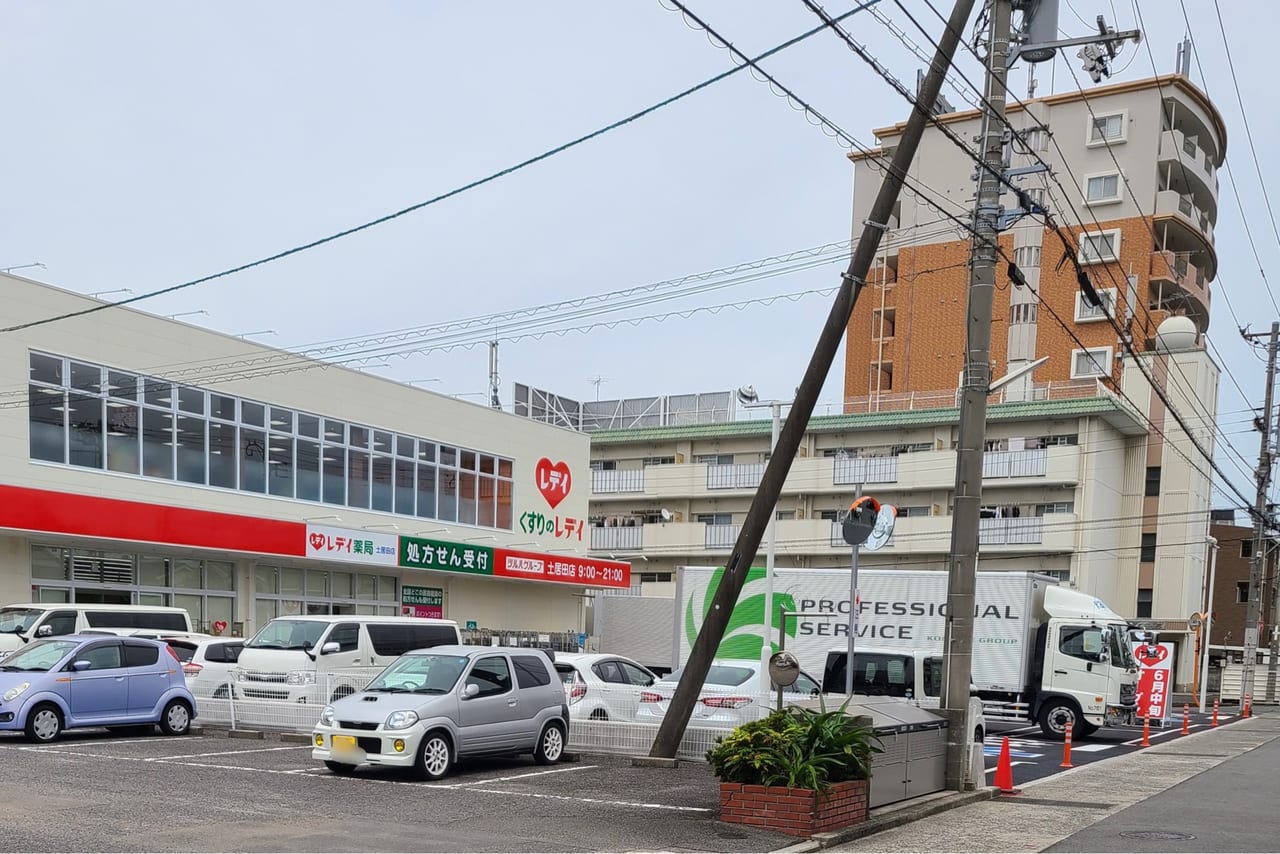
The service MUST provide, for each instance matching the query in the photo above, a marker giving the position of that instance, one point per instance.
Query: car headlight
(326, 717)
(300, 677)
(16, 691)
(401, 719)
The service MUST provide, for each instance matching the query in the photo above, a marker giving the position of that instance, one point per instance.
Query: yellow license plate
(344, 743)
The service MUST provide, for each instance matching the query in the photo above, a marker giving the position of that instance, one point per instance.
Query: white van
(22, 623)
(317, 659)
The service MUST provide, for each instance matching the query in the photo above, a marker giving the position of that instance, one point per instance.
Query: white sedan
(730, 696)
(207, 662)
(602, 687)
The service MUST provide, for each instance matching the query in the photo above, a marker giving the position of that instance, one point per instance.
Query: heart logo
(554, 480)
(1152, 655)
(317, 541)
(219, 626)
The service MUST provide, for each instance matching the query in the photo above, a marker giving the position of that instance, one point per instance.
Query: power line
(435, 199)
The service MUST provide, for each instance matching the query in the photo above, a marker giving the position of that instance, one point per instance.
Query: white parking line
(227, 753)
(581, 800)
(103, 743)
(530, 774)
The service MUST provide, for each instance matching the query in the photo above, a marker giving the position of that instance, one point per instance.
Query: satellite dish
(666, 515)
(883, 529)
(784, 669)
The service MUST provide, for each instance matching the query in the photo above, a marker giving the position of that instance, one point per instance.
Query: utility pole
(667, 740)
(1272, 661)
(1263, 475)
(957, 639)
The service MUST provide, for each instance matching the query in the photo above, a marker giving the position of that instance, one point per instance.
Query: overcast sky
(150, 143)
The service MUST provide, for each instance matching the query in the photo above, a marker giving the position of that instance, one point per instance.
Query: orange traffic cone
(1066, 750)
(1146, 732)
(1004, 771)
(1186, 719)
(1215, 711)
(1247, 703)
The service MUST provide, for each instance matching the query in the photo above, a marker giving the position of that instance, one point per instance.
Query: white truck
(1041, 652)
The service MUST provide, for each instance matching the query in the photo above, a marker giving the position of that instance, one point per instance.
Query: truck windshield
(18, 620)
(288, 634)
(1121, 654)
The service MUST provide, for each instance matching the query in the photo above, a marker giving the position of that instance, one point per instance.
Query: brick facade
(796, 812)
(1235, 545)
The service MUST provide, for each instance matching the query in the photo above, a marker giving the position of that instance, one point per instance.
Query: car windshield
(420, 674)
(719, 674)
(40, 656)
(288, 634)
(18, 620)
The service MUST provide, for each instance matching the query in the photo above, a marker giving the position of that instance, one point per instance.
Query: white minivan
(24, 622)
(318, 659)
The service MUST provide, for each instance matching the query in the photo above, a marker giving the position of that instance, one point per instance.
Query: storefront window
(264, 611)
(219, 575)
(90, 416)
(48, 562)
(317, 583)
(368, 587)
(264, 579)
(340, 585)
(387, 588)
(153, 571)
(186, 573)
(290, 582)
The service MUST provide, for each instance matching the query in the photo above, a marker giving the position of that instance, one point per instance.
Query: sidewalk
(1054, 809)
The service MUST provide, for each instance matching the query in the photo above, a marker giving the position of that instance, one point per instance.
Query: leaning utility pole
(1253, 616)
(667, 740)
(957, 639)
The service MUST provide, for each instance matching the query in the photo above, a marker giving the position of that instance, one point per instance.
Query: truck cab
(1083, 674)
(915, 675)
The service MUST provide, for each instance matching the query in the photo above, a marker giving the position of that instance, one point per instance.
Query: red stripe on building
(536, 566)
(91, 516)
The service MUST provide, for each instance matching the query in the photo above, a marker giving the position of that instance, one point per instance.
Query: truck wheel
(1056, 716)
(1084, 730)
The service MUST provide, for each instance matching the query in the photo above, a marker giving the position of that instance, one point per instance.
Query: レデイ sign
(1155, 682)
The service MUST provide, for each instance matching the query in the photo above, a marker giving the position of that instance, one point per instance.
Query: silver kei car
(430, 707)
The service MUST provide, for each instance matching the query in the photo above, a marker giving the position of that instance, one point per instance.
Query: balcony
(1182, 226)
(853, 470)
(721, 537)
(1178, 283)
(1182, 154)
(617, 480)
(617, 539)
(1011, 531)
(1031, 462)
(736, 476)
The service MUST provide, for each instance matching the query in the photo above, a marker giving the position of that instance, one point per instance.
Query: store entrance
(103, 597)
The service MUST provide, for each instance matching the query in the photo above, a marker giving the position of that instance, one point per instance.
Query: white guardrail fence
(619, 719)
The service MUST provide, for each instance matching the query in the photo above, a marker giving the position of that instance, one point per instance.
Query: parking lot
(92, 791)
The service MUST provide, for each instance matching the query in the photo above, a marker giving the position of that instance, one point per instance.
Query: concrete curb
(653, 762)
(891, 816)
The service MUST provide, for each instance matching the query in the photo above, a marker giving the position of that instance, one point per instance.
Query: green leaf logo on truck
(743, 638)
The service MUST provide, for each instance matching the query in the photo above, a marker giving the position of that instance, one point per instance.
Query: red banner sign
(533, 566)
(1155, 682)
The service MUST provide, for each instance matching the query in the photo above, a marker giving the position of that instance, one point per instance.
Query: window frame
(475, 665)
(1117, 197)
(1092, 125)
(1085, 238)
(1092, 376)
(1086, 313)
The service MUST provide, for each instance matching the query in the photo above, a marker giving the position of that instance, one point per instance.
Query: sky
(153, 143)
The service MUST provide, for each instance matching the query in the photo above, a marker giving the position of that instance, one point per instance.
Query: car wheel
(550, 745)
(44, 724)
(435, 757)
(176, 718)
(600, 715)
(342, 769)
(1056, 716)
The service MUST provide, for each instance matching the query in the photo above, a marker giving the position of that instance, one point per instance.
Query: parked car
(431, 707)
(90, 681)
(730, 696)
(602, 687)
(24, 622)
(207, 662)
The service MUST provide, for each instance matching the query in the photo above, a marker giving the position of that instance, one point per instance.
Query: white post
(771, 534)
(1208, 623)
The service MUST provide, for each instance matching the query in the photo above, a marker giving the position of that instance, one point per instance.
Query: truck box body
(900, 610)
(638, 627)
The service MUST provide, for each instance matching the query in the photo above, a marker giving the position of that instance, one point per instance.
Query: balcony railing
(721, 537)
(735, 476)
(912, 400)
(617, 480)
(617, 539)
(1011, 531)
(865, 470)
(1031, 462)
(1171, 201)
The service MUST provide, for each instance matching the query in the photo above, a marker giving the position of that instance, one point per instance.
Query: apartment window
(1242, 592)
(1086, 312)
(714, 459)
(1060, 440)
(829, 515)
(1027, 256)
(1039, 196)
(1026, 312)
(1153, 481)
(1055, 507)
(1099, 247)
(715, 518)
(604, 465)
(1148, 552)
(1100, 189)
(786, 515)
(655, 577)
(1144, 603)
(1246, 548)
(1094, 362)
(1105, 129)
(918, 510)
(658, 461)
(1037, 138)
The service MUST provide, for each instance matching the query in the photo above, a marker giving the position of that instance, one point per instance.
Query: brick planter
(798, 812)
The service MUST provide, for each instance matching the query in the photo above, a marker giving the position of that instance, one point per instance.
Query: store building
(145, 460)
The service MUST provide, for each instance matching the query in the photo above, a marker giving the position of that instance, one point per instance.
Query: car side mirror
(44, 632)
(470, 691)
(82, 664)
(330, 647)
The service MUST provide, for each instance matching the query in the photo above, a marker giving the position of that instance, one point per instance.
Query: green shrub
(796, 747)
